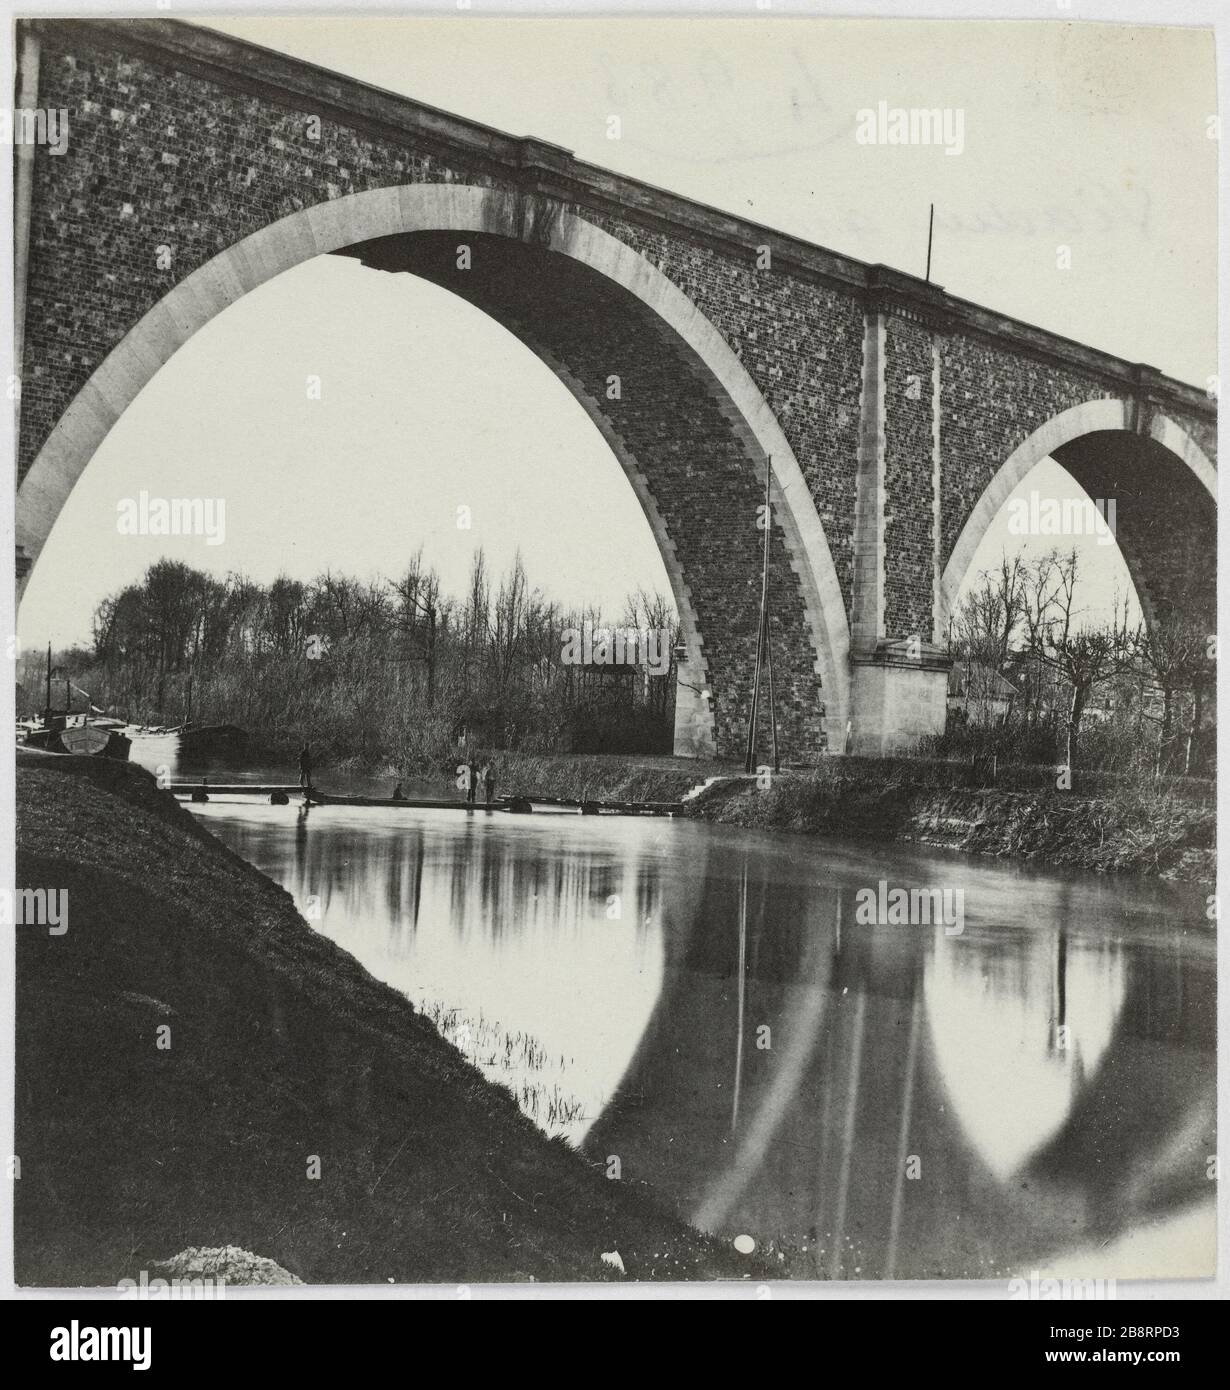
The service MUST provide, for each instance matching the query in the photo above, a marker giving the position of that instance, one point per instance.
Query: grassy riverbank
(1125, 831)
(281, 1050)
(1129, 828)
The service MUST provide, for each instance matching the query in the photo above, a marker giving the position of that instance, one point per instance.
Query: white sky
(1088, 136)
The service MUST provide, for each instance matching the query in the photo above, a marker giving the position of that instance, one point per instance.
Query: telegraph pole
(764, 649)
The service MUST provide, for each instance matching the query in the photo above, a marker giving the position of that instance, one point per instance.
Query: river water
(1027, 1084)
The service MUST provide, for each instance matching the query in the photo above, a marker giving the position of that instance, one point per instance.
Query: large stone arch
(1113, 446)
(700, 415)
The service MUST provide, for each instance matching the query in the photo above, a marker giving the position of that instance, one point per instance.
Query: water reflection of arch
(855, 1086)
(1156, 1118)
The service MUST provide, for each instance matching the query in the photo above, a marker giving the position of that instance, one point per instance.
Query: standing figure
(471, 780)
(305, 767)
(489, 782)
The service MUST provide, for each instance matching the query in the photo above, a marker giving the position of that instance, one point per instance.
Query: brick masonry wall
(151, 162)
(909, 521)
(800, 342)
(991, 401)
(188, 165)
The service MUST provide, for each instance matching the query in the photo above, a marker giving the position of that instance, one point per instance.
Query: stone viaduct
(896, 417)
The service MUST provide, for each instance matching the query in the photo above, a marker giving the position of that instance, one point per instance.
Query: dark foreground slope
(282, 1049)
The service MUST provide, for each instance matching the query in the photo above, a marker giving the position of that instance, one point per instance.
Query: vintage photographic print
(615, 661)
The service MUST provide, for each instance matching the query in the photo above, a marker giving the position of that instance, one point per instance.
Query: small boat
(96, 742)
(85, 740)
(201, 743)
(102, 721)
(62, 731)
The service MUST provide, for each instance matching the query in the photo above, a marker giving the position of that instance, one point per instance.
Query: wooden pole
(761, 634)
(742, 997)
(749, 757)
(766, 641)
(930, 228)
(768, 646)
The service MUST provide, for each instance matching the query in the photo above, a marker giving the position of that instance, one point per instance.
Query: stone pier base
(693, 718)
(898, 694)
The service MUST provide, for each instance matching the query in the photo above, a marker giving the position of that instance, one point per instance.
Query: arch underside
(671, 428)
(1165, 521)
(1164, 492)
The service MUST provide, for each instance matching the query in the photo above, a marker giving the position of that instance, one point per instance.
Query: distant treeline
(379, 671)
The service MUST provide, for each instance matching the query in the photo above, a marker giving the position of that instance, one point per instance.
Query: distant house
(1052, 695)
(978, 694)
(1100, 705)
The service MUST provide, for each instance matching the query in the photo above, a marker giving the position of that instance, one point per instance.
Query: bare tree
(1175, 653)
(419, 615)
(1082, 654)
(986, 626)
